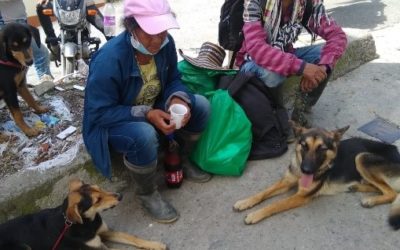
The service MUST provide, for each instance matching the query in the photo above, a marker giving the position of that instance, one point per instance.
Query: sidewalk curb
(31, 190)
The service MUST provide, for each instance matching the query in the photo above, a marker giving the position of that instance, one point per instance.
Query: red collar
(67, 225)
(12, 64)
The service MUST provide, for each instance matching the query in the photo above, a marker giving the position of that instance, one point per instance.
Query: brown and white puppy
(76, 224)
(324, 165)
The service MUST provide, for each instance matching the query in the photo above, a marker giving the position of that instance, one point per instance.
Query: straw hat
(211, 56)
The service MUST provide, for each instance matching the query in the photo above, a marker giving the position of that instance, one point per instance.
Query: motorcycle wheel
(70, 65)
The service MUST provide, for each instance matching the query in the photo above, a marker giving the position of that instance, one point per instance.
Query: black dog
(76, 224)
(15, 58)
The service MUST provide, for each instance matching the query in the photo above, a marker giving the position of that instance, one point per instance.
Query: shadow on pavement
(359, 14)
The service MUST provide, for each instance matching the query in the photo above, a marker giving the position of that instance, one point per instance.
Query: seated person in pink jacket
(268, 52)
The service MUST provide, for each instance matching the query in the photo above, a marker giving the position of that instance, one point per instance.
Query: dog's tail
(394, 216)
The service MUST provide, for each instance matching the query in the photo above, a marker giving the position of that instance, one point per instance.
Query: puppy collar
(67, 225)
(12, 64)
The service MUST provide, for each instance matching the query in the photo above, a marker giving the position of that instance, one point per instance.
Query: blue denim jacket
(113, 84)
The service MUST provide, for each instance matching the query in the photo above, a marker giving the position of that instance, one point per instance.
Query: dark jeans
(139, 141)
(310, 54)
(45, 21)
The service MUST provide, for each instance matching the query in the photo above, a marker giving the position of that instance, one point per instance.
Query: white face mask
(139, 46)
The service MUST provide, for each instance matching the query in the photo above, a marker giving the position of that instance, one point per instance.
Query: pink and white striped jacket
(286, 63)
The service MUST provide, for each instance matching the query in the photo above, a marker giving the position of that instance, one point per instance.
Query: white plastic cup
(178, 111)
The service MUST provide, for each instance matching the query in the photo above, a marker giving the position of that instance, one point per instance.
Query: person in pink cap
(133, 80)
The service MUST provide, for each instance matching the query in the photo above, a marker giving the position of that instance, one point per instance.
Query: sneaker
(290, 137)
(46, 78)
(45, 84)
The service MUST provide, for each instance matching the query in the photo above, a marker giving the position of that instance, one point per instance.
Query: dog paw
(241, 205)
(251, 218)
(42, 109)
(31, 132)
(367, 203)
(352, 189)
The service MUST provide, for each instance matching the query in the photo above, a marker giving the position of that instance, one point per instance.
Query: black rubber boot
(146, 192)
(191, 172)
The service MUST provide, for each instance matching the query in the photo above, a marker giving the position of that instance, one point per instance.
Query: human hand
(177, 100)
(312, 76)
(160, 120)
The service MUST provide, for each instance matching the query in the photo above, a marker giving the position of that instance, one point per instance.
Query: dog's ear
(297, 129)
(35, 34)
(338, 133)
(72, 212)
(74, 185)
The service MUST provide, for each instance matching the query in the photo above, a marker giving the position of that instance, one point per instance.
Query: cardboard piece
(381, 129)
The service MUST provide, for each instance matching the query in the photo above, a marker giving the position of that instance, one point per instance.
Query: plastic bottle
(109, 19)
(173, 164)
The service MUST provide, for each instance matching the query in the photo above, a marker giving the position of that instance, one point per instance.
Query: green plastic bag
(225, 143)
(199, 80)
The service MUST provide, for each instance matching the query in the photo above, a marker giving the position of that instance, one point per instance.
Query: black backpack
(230, 33)
(269, 120)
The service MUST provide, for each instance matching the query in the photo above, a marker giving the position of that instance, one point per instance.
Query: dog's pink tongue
(306, 180)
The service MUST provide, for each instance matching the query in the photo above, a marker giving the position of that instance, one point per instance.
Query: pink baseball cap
(153, 16)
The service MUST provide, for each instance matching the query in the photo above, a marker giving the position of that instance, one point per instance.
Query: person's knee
(200, 114)
(143, 138)
(202, 105)
(40, 7)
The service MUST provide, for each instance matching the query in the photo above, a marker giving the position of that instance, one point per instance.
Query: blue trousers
(139, 141)
(310, 54)
(41, 59)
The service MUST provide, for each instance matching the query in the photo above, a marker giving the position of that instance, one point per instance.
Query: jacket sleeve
(266, 56)
(102, 101)
(326, 27)
(174, 86)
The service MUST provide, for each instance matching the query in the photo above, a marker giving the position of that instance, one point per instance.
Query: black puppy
(15, 58)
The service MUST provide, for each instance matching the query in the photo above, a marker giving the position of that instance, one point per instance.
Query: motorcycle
(75, 40)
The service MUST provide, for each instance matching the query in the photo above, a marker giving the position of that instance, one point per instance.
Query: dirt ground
(19, 151)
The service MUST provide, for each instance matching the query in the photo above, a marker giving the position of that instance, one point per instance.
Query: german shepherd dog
(15, 58)
(325, 165)
(76, 224)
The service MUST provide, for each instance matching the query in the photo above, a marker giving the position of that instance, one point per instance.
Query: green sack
(225, 143)
(200, 80)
